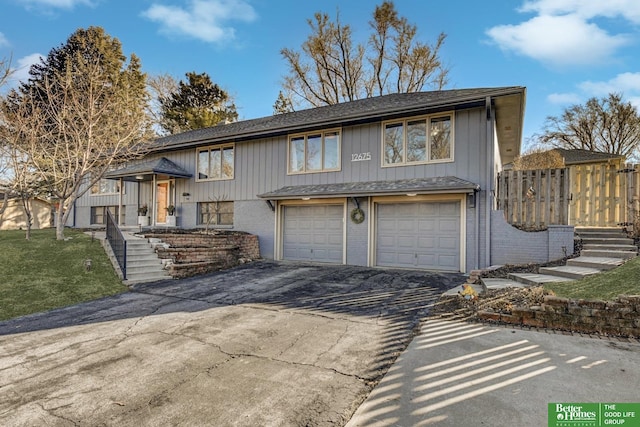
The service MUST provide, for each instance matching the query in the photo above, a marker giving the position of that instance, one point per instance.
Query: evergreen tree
(198, 103)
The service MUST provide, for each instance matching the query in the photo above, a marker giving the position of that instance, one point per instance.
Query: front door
(163, 196)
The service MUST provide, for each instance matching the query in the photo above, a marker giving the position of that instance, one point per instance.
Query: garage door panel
(313, 233)
(423, 234)
(426, 243)
(448, 243)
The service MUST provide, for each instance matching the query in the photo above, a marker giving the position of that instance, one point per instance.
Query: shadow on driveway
(267, 343)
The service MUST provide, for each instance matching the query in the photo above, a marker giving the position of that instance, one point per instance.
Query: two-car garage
(424, 234)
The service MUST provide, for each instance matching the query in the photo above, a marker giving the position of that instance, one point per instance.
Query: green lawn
(623, 280)
(43, 273)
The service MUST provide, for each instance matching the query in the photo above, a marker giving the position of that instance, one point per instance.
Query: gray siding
(261, 166)
(357, 234)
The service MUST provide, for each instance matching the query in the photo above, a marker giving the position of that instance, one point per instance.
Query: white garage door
(423, 235)
(313, 233)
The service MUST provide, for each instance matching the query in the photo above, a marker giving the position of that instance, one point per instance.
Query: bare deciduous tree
(538, 158)
(606, 125)
(331, 69)
(161, 87)
(83, 111)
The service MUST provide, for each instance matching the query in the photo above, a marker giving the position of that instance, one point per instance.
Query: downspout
(476, 264)
(489, 182)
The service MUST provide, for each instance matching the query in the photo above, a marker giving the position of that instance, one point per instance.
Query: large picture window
(215, 213)
(422, 140)
(106, 186)
(216, 163)
(314, 152)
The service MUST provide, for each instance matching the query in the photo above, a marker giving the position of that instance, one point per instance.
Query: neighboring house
(13, 218)
(563, 157)
(401, 180)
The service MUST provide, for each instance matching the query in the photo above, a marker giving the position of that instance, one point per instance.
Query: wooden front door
(162, 201)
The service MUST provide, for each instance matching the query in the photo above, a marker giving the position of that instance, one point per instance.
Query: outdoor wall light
(139, 177)
(306, 198)
(412, 194)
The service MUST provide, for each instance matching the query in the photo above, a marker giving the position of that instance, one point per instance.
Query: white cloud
(58, 4)
(206, 20)
(568, 32)
(21, 71)
(3, 40)
(558, 40)
(625, 83)
(564, 98)
(588, 9)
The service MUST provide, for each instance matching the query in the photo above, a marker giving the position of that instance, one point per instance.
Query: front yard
(42, 273)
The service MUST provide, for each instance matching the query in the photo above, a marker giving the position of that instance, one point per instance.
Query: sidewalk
(466, 374)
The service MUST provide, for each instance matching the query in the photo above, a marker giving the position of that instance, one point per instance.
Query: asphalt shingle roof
(333, 115)
(575, 156)
(162, 166)
(444, 184)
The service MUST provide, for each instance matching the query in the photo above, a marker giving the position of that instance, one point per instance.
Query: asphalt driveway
(268, 344)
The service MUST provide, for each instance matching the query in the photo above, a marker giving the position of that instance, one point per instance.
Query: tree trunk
(26, 207)
(62, 219)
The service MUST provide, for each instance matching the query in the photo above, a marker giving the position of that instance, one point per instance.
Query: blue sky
(563, 51)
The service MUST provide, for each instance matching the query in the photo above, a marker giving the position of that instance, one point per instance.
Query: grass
(623, 280)
(42, 273)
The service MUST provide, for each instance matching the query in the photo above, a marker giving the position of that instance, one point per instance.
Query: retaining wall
(620, 317)
(194, 253)
(510, 245)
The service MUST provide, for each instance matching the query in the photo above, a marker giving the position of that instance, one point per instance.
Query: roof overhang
(438, 185)
(146, 171)
(509, 110)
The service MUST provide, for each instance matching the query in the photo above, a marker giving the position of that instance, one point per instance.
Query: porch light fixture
(411, 194)
(139, 177)
(306, 198)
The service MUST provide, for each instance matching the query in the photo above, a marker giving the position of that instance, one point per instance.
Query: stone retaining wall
(620, 317)
(194, 253)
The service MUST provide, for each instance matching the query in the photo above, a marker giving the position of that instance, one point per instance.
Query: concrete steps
(603, 249)
(143, 264)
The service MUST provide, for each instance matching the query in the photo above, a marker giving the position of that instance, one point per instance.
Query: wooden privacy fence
(594, 195)
(534, 199)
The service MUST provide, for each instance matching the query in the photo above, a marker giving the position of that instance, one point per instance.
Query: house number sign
(360, 157)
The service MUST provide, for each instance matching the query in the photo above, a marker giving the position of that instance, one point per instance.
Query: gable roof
(145, 171)
(509, 114)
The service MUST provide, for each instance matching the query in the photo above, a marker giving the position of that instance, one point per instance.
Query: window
(99, 214)
(421, 140)
(215, 163)
(314, 152)
(106, 186)
(215, 213)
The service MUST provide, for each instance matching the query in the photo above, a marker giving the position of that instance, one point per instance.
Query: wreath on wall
(357, 215)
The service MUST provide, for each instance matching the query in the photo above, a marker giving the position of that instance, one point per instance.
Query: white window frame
(427, 119)
(306, 135)
(220, 148)
(117, 185)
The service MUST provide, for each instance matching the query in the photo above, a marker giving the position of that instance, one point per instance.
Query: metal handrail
(117, 242)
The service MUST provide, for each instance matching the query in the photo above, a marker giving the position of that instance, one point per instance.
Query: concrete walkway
(464, 374)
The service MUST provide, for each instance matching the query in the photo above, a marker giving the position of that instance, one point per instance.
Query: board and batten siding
(261, 165)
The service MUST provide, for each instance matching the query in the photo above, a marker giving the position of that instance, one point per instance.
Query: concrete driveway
(265, 344)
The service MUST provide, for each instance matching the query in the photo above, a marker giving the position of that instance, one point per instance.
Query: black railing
(117, 242)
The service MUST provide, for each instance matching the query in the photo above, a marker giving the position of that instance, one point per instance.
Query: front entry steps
(602, 249)
(143, 264)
